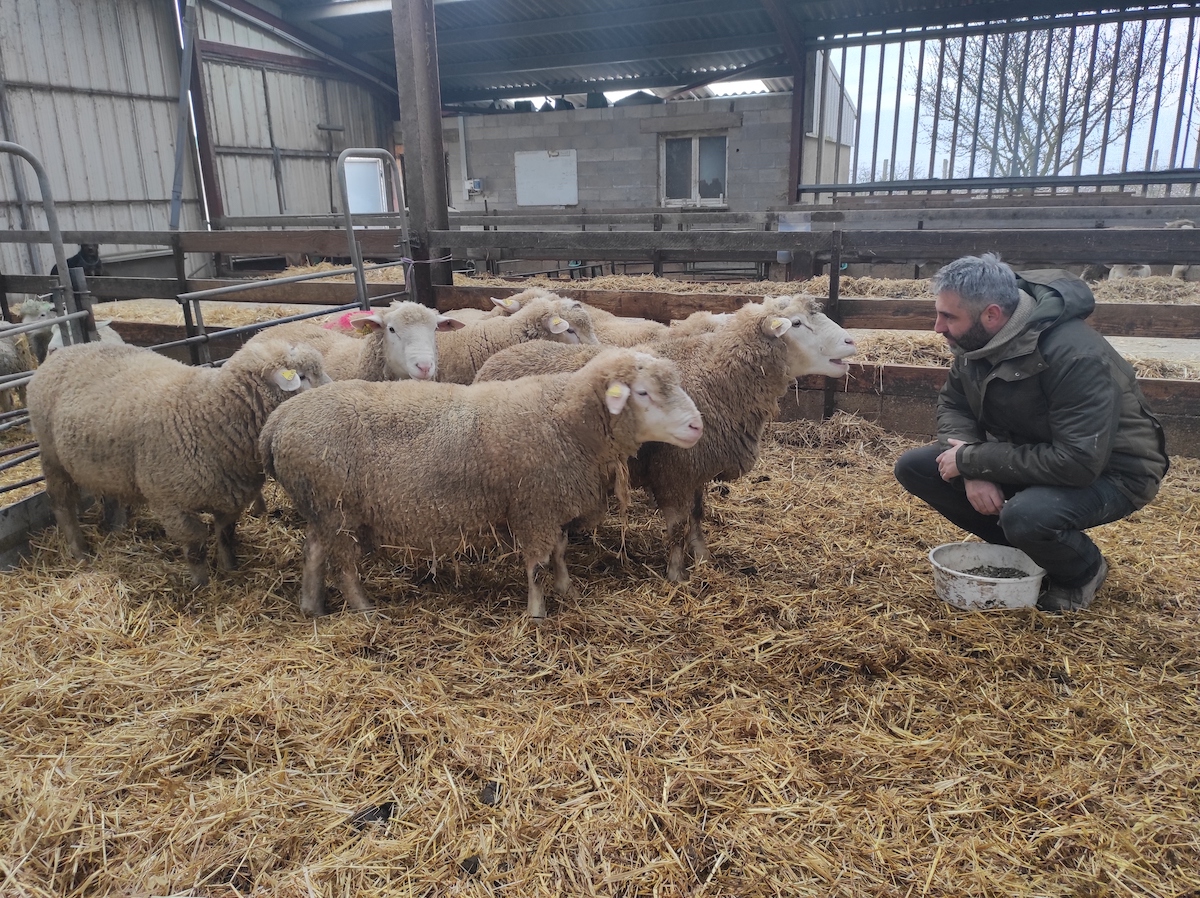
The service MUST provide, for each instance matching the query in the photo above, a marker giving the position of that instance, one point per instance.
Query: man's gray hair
(980, 281)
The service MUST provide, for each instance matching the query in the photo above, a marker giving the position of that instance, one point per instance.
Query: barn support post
(421, 133)
(793, 43)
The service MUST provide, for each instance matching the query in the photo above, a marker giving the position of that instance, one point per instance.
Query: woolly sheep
(736, 376)
(401, 343)
(1189, 273)
(445, 467)
(127, 424)
(461, 353)
(702, 322)
(104, 331)
(1121, 272)
(610, 329)
(15, 358)
(32, 310)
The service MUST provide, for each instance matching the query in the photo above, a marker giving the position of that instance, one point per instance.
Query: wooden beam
(421, 129)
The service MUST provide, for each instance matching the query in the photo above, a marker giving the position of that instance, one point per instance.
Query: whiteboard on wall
(547, 178)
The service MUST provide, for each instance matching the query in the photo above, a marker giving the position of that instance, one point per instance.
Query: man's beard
(975, 338)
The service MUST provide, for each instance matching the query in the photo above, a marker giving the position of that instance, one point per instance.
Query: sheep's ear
(776, 326)
(287, 380)
(616, 396)
(509, 304)
(446, 323)
(557, 325)
(364, 323)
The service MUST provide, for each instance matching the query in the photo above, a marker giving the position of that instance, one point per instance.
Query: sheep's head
(35, 310)
(651, 388)
(579, 321)
(287, 366)
(409, 338)
(816, 344)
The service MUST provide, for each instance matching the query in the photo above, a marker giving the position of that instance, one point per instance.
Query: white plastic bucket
(974, 593)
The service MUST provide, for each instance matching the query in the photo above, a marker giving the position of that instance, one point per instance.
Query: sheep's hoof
(199, 579)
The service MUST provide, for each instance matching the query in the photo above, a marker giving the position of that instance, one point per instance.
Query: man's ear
(993, 318)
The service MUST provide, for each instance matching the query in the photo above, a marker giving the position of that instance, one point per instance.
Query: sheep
(401, 343)
(15, 358)
(104, 331)
(1121, 272)
(32, 310)
(736, 376)
(1188, 273)
(130, 425)
(610, 329)
(701, 322)
(445, 467)
(460, 354)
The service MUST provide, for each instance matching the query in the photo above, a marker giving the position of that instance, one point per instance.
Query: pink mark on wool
(345, 321)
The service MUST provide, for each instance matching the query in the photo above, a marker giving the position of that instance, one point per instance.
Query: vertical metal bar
(862, 77)
(1137, 81)
(1017, 133)
(821, 84)
(912, 154)
(832, 309)
(841, 95)
(1162, 74)
(896, 117)
(1041, 109)
(1087, 102)
(24, 211)
(878, 104)
(202, 347)
(1183, 92)
(182, 116)
(1060, 130)
(958, 92)
(276, 159)
(983, 47)
(937, 108)
(1001, 74)
(1112, 89)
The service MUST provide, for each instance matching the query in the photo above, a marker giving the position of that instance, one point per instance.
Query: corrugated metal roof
(495, 49)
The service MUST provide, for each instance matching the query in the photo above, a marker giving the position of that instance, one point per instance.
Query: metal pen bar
(1183, 92)
(998, 112)
(1061, 132)
(896, 117)
(10, 487)
(1112, 91)
(1177, 176)
(983, 48)
(862, 63)
(1041, 109)
(271, 282)
(11, 463)
(878, 116)
(1017, 130)
(958, 91)
(16, 422)
(837, 141)
(1158, 87)
(1133, 97)
(43, 323)
(937, 109)
(912, 155)
(257, 326)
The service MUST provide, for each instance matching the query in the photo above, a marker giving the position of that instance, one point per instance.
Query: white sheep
(462, 352)
(104, 334)
(1188, 273)
(701, 322)
(736, 375)
(1121, 272)
(32, 310)
(610, 329)
(15, 358)
(445, 467)
(401, 343)
(130, 425)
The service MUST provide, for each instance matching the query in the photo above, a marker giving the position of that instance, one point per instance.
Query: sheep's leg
(116, 515)
(64, 501)
(536, 604)
(678, 524)
(226, 527)
(312, 583)
(562, 579)
(345, 554)
(696, 530)
(258, 507)
(189, 531)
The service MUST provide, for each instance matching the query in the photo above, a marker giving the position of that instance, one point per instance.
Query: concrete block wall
(617, 151)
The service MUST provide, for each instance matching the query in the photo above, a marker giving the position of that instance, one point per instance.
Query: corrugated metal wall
(91, 88)
(264, 111)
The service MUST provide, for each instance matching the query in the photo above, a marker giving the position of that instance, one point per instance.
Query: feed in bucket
(985, 577)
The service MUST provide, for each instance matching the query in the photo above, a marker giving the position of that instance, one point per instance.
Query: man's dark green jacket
(1050, 402)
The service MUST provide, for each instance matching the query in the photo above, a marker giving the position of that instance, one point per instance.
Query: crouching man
(1042, 429)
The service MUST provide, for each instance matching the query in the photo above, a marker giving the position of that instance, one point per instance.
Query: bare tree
(1046, 102)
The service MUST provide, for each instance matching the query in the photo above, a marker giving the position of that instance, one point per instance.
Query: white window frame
(695, 200)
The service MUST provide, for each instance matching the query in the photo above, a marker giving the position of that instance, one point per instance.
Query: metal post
(181, 121)
(360, 280)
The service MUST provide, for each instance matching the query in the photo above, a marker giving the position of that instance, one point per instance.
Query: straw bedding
(802, 717)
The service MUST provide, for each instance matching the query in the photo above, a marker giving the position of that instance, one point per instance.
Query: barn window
(693, 171)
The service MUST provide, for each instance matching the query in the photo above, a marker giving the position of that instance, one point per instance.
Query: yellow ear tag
(288, 374)
(776, 322)
(555, 321)
(614, 391)
(508, 303)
